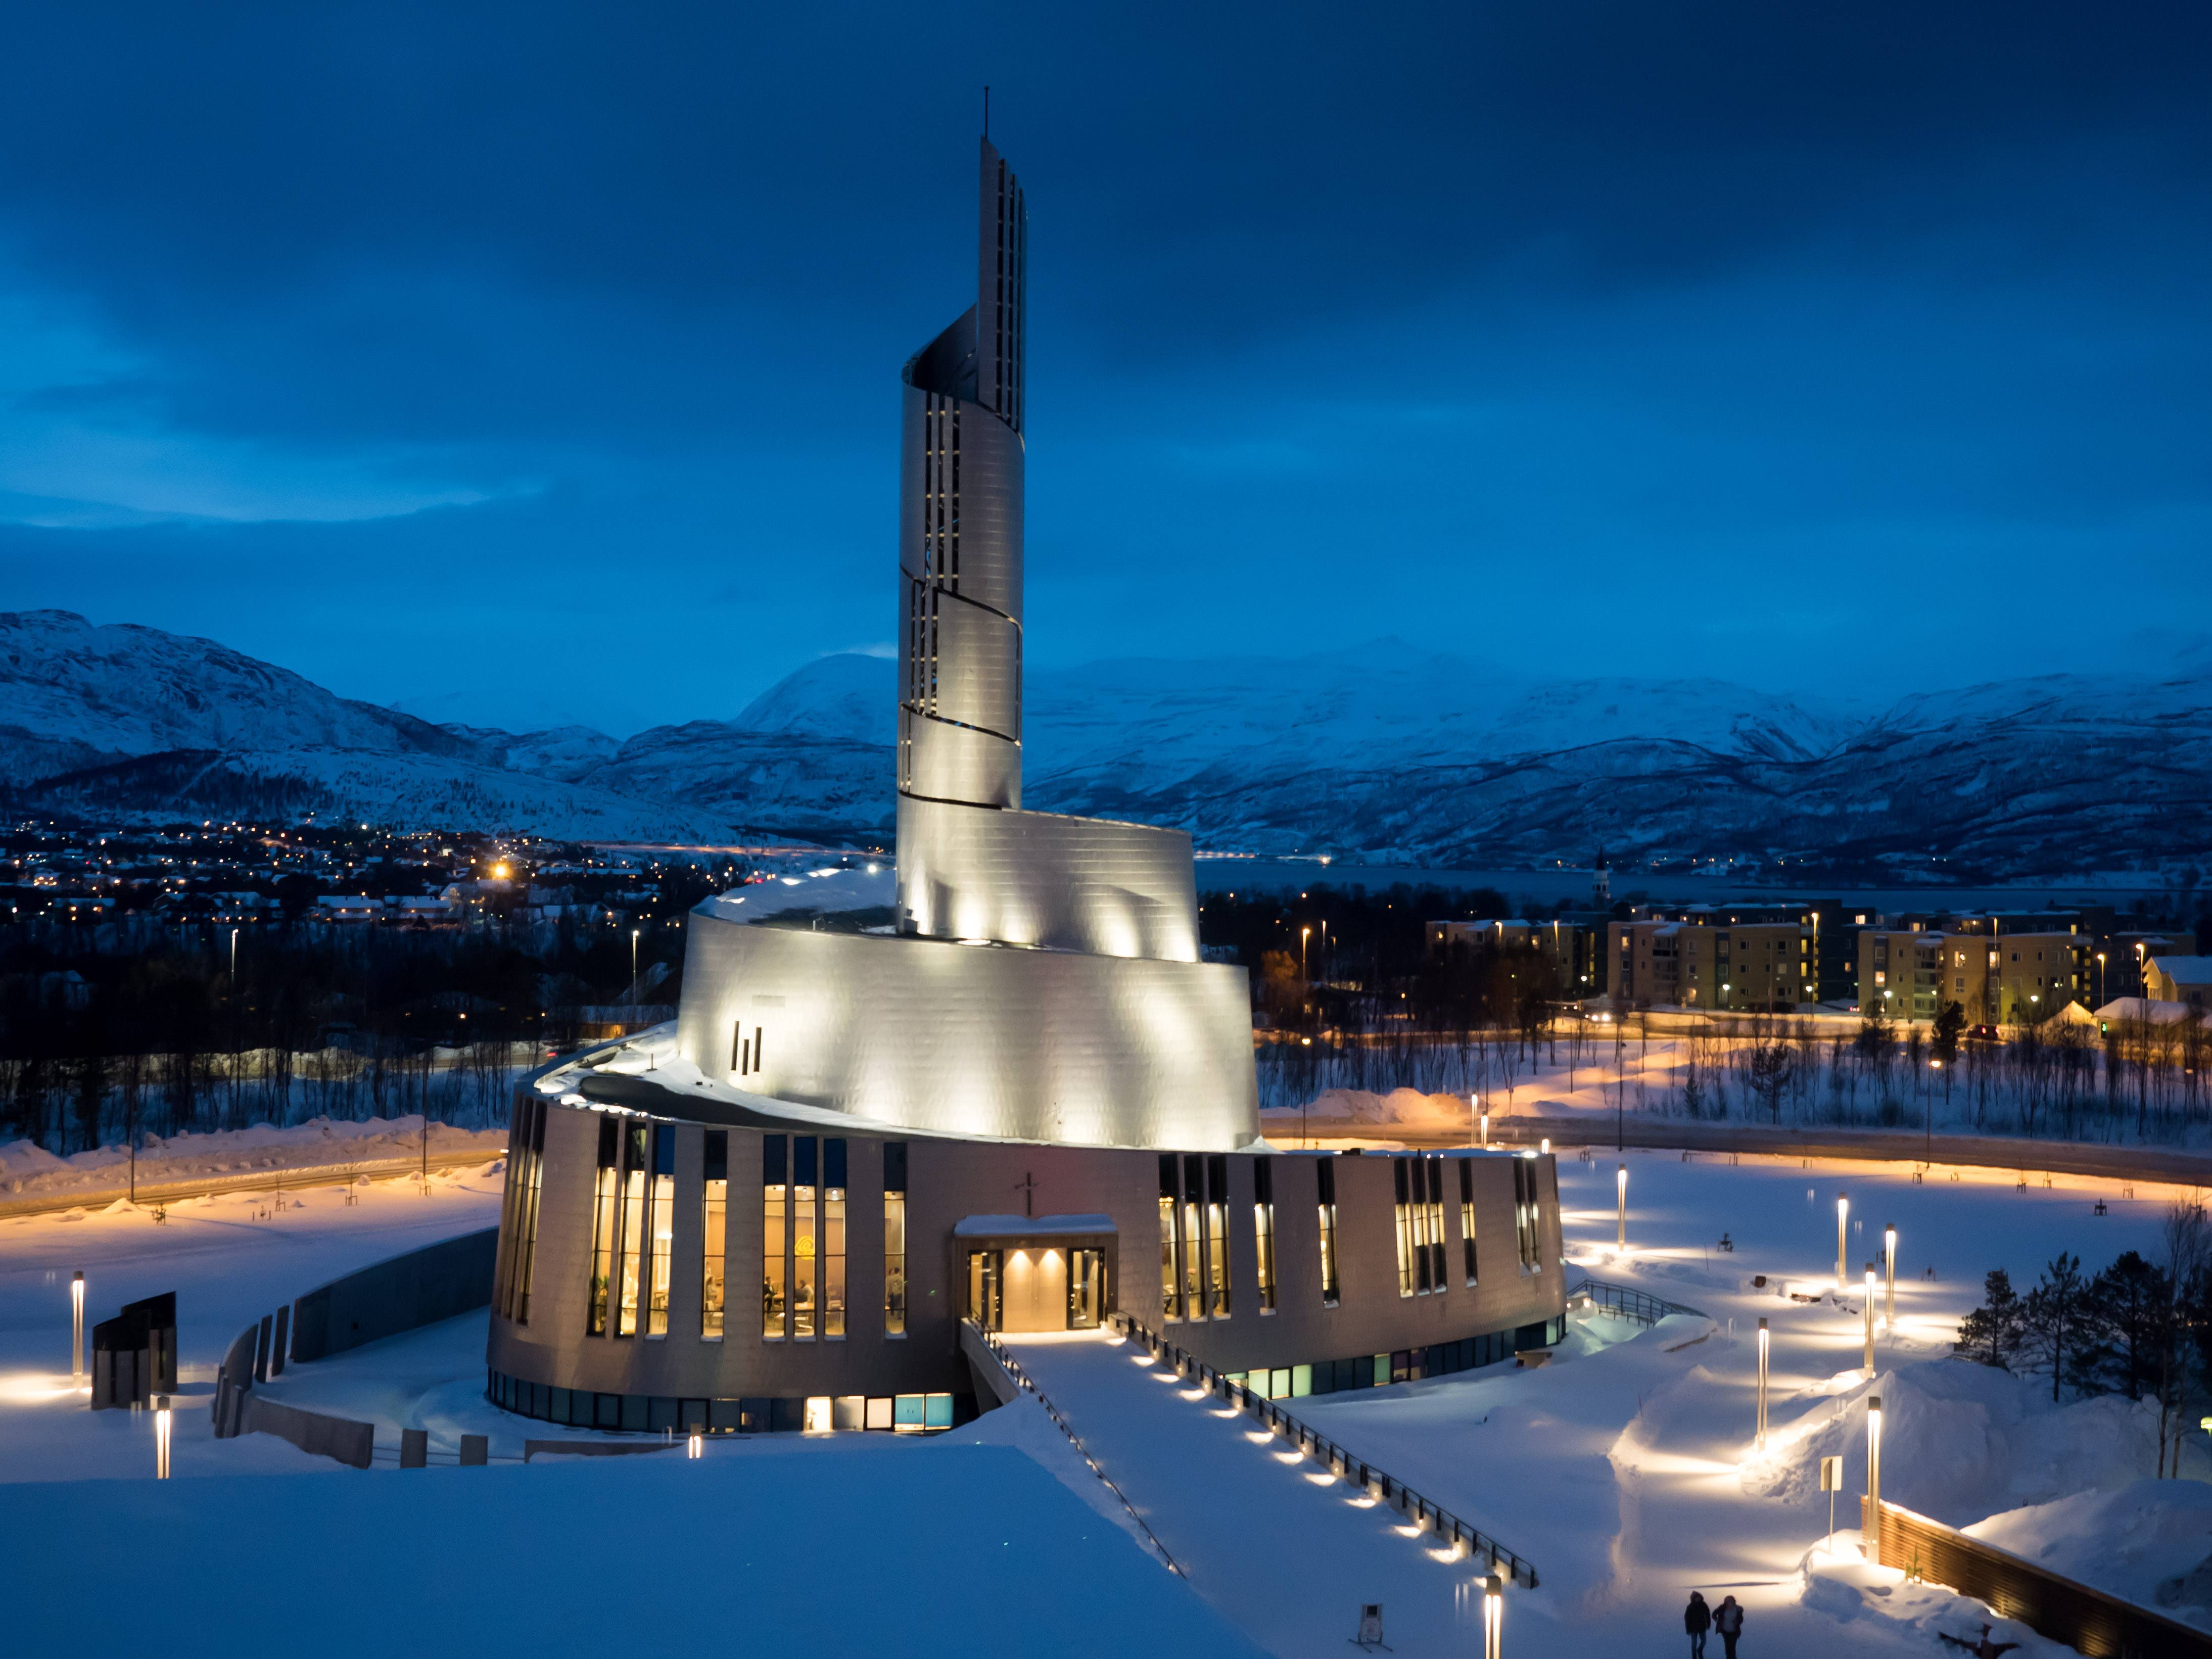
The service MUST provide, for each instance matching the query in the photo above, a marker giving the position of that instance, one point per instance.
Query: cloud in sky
(439, 351)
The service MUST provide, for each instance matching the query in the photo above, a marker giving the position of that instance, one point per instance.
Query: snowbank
(1960, 1441)
(27, 1170)
(2150, 1541)
(1342, 1108)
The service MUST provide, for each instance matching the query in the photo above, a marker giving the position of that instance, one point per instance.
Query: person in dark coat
(1697, 1619)
(1728, 1620)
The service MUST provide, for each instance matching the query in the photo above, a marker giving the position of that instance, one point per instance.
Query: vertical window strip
(660, 1229)
(603, 1227)
(1217, 1232)
(1404, 1226)
(1195, 1297)
(510, 1207)
(1331, 1293)
(775, 1225)
(1437, 1275)
(1263, 1230)
(806, 1234)
(1170, 1271)
(713, 1233)
(895, 1238)
(1467, 1213)
(632, 1247)
(833, 1240)
(526, 1268)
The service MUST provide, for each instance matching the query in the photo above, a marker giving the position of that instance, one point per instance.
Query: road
(1974, 1152)
(255, 1181)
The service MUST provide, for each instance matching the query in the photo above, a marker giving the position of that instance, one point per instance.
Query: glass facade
(1402, 1212)
(833, 1240)
(1528, 1216)
(806, 1236)
(895, 1238)
(1467, 1213)
(635, 1142)
(1194, 1294)
(776, 1204)
(1170, 1273)
(1263, 1230)
(713, 1233)
(1325, 1175)
(660, 1229)
(1217, 1234)
(1419, 1184)
(603, 1226)
(1378, 1370)
(904, 1413)
(526, 1267)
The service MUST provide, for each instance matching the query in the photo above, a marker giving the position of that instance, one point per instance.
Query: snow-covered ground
(328, 1145)
(1624, 1470)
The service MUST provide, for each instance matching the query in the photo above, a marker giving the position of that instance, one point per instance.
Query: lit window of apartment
(660, 1229)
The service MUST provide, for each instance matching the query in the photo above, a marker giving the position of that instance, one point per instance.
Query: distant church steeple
(1602, 884)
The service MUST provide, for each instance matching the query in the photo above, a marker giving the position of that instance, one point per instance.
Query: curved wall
(936, 1037)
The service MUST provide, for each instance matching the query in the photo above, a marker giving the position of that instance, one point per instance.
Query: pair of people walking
(1727, 1619)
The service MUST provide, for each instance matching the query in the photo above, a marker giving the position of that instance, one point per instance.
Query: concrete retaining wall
(337, 1437)
(451, 1277)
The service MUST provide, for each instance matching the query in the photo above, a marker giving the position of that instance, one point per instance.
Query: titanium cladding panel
(965, 1040)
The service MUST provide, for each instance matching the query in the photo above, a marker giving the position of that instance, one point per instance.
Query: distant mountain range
(1383, 753)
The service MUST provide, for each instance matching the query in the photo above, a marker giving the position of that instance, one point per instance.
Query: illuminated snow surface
(1624, 1470)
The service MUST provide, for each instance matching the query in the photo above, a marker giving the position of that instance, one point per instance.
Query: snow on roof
(991, 1226)
(2185, 970)
(2149, 1010)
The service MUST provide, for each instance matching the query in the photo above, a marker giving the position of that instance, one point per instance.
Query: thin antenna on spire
(987, 113)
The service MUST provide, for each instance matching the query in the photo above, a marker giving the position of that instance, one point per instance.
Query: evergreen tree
(2131, 1307)
(2056, 1326)
(1991, 1334)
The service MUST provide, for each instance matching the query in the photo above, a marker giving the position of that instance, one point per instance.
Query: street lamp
(1493, 1619)
(76, 1327)
(161, 1415)
(1869, 1322)
(1874, 1480)
(1765, 1339)
(1889, 1250)
(634, 933)
(1842, 1210)
(1620, 1209)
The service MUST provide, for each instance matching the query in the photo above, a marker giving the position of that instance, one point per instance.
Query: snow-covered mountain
(1387, 751)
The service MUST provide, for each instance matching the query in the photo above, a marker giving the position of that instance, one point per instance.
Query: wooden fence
(2100, 1626)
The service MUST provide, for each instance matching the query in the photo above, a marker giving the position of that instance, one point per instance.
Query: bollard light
(1764, 1338)
(696, 1445)
(1485, 1128)
(1493, 1618)
(1889, 1250)
(1874, 1480)
(1869, 1322)
(161, 1436)
(1620, 1210)
(1843, 1210)
(76, 1327)
(1546, 1146)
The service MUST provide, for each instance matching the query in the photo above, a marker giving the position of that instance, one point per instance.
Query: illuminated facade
(1022, 1099)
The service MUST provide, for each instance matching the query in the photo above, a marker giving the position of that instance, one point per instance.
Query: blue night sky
(542, 362)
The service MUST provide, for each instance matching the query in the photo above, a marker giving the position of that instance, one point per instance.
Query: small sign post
(1832, 1480)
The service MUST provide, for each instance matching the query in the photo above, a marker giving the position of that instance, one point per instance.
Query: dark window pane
(772, 1160)
(718, 1155)
(833, 1162)
(803, 1161)
(894, 1166)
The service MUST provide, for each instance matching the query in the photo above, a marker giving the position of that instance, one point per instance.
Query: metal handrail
(1630, 1303)
(1425, 1512)
(1027, 1385)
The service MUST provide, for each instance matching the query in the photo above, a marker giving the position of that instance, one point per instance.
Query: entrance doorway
(1086, 1288)
(987, 1274)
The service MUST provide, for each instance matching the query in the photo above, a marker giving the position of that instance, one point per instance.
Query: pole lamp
(1493, 1618)
(1843, 1214)
(1485, 1128)
(1620, 1209)
(1869, 1321)
(161, 1420)
(1874, 1480)
(1765, 1341)
(76, 1327)
(1889, 1252)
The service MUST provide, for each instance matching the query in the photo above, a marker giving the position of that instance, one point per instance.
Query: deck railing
(1627, 1301)
(1423, 1513)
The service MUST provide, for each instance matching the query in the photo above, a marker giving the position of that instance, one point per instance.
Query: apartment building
(1999, 977)
(1700, 959)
